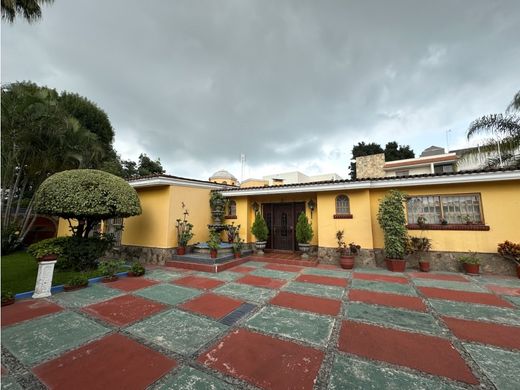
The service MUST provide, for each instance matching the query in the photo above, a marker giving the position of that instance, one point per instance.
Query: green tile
(319, 290)
(394, 288)
(387, 316)
(177, 331)
(269, 273)
(161, 275)
(378, 271)
(191, 379)
(501, 366)
(246, 292)
(8, 383)
(87, 296)
(226, 276)
(446, 284)
(327, 272)
(514, 300)
(294, 324)
(168, 293)
(255, 264)
(506, 282)
(350, 373)
(476, 312)
(40, 339)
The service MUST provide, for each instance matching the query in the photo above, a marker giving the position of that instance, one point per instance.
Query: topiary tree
(392, 219)
(259, 228)
(304, 231)
(88, 196)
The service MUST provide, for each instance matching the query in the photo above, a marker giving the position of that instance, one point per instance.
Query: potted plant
(260, 231)
(470, 263)
(232, 232)
(184, 232)
(46, 250)
(75, 283)
(137, 269)
(217, 204)
(421, 245)
(511, 251)
(304, 234)
(238, 244)
(392, 219)
(346, 252)
(109, 269)
(7, 298)
(213, 244)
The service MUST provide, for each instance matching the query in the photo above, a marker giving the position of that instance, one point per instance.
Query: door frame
(268, 214)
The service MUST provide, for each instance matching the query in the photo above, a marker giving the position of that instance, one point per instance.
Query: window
(115, 226)
(404, 172)
(452, 209)
(444, 168)
(232, 207)
(342, 204)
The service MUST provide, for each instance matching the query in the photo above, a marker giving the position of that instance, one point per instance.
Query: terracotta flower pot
(47, 258)
(8, 302)
(237, 255)
(346, 262)
(396, 265)
(133, 274)
(473, 269)
(181, 251)
(424, 266)
(108, 279)
(518, 270)
(213, 253)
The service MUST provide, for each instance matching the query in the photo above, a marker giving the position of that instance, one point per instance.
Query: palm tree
(504, 130)
(29, 9)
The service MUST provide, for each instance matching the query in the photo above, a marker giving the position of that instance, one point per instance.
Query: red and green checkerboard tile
(302, 327)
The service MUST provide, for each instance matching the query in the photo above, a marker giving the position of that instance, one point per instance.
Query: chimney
(370, 166)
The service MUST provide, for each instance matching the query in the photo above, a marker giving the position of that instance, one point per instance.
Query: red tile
(211, 305)
(260, 281)
(328, 280)
(198, 282)
(281, 267)
(429, 354)
(27, 309)
(242, 269)
(114, 362)
(329, 266)
(504, 336)
(132, 283)
(387, 299)
(265, 361)
(430, 275)
(307, 303)
(464, 296)
(124, 310)
(504, 290)
(381, 278)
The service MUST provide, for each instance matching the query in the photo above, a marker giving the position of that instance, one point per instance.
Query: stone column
(44, 279)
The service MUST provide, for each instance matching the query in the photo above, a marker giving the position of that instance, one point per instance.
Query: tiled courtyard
(268, 326)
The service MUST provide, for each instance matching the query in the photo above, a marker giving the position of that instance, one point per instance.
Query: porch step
(272, 258)
(203, 267)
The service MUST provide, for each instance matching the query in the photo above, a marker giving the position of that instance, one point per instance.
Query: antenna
(242, 163)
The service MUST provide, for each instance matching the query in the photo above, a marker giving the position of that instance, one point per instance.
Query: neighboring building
(248, 183)
(296, 177)
(488, 199)
(223, 177)
(432, 160)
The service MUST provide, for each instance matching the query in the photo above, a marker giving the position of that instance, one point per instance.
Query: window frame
(440, 196)
(231, 215)
(339, 215)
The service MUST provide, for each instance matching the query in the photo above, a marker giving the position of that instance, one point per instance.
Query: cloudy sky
(291, 84)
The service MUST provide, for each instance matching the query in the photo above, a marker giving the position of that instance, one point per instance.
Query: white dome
(223, 174)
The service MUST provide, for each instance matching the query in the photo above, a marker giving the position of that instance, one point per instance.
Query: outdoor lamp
(312, 206)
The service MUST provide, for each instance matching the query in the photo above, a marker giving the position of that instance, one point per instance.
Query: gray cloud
(292, 84)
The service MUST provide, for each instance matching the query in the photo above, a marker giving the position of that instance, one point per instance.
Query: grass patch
(19, 272)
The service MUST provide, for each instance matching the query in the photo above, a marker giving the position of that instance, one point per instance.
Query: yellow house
(464, 211)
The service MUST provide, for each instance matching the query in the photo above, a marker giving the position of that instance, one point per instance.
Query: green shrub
(470, 258)
(10, 241)
(214, 240)
(7, 296)
(510, 250)
(259, 228)
(420, 244)
(137, 268)
(76, 281)
(110, 267)
(304, 231)
(50, 246)
(392, 219)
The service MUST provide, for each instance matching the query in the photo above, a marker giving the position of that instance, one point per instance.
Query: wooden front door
(283, 226)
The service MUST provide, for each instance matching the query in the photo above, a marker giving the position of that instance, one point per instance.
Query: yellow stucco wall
(500, 207)
(357, 229)
(254, 183)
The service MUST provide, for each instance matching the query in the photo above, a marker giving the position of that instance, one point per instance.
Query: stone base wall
(439, 261)
(144, 255)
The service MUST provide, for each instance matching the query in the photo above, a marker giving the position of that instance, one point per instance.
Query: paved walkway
(269, 326)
